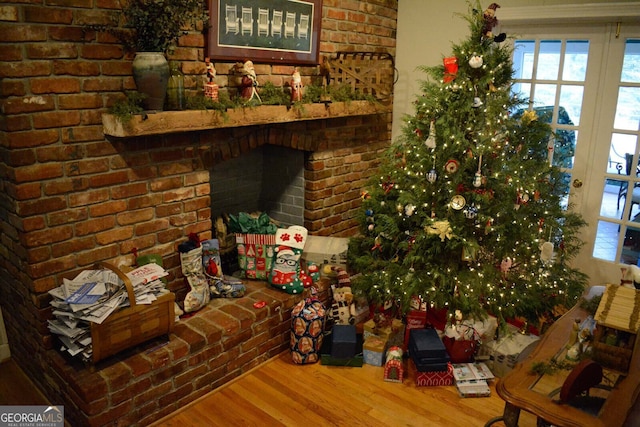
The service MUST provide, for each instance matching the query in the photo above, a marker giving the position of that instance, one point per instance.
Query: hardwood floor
(279, 393)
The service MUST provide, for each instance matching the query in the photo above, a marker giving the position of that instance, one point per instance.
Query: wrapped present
(326, 357)
(433, 378)
(393, 332)
(394, 365)
(373, 350)
(416, 319)
(255, 254)
(343, 341)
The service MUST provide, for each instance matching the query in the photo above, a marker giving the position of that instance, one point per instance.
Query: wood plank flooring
(280, 393)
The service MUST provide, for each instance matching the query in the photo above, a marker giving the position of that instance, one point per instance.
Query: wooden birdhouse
(618, 321)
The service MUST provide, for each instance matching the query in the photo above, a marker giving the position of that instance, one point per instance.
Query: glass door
(584, 81)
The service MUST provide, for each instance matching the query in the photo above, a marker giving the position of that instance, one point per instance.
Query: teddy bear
(343, 309)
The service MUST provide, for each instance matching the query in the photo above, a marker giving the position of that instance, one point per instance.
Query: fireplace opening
(267, 179)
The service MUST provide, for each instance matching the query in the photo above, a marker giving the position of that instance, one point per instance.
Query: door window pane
(631, 62)
(544, 95)
(549, 60)
(628, 109)
(606, 241)
(622, 146)
(575, 60)
(571, 100)
(613, 198)
(523, 55)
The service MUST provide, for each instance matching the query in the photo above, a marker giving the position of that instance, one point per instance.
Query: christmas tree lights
(466, 211)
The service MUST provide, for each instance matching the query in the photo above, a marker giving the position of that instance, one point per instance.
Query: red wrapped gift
(434, 378)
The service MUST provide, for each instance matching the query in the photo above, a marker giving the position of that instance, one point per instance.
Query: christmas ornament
(546, 252)
(431, 139)
(450, 69)
(475, 61)
(477, 178)
(468, 254)
(471, 212)
(409, 210)
(452, 166)
(477, 102)
(458, 202)
(441, 228)
(432, 176)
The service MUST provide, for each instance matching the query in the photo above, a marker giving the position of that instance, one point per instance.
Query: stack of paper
(472, 379)
(92, 296)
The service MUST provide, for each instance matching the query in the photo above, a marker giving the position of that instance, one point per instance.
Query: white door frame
(580, 15)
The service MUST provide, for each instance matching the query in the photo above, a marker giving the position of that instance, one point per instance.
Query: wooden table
(516, 387)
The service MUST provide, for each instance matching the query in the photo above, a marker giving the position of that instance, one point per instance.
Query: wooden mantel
(155, 123)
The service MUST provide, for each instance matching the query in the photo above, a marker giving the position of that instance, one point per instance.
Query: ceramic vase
(151, 75)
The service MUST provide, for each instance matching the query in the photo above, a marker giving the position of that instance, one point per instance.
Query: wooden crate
(370, 73)
(133, 325)
(618, 321)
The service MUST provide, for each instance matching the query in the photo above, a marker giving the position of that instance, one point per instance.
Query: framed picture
(268, 31)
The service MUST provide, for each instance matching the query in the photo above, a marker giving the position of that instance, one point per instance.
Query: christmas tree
(466, 211)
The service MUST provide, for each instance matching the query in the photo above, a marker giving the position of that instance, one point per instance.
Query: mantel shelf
(157, 123)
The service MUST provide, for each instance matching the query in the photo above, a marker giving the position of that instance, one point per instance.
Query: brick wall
(69, 196)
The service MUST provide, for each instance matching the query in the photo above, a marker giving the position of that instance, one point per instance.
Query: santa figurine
(249, 82)
(490, 21)
(296, 86)
(210, 87)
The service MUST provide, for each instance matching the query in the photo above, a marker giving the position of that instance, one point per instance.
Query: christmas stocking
(193, 271)
(285, 271)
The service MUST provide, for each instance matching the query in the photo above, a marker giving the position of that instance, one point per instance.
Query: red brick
(64, 186)
(165, 184)
(151, 226)
(50, 267)
(80, 102)
(76, 68)
(102, 84)
(38, 172)
(67, 216)
(70, 34)
(84, 167)
(50, 235)
(129, 190)
(28, 104)
(11, 53)
(135, 217)
(139, 244)
(178, 194)
(113, 236)
(9, 13)
(56, 119)
(51, 51)
(82, 134)
(101, 52)
(108, 208)
(147, 200)
(72, 246)
(17, 158)
(14, 123)
(88, 197)
(27, 191)
(117, 68)
(55, 85)
(93, 226)
(108, 179)
(184, 219)
(47, 15)
(58, 153)
(22, 33)
(95, 255)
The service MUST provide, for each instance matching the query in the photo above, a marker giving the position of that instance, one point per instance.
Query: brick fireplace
(71, 196)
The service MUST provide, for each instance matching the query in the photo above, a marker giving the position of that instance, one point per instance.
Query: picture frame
(267, 31)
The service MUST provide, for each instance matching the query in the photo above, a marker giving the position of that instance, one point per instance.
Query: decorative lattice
(371, 73)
